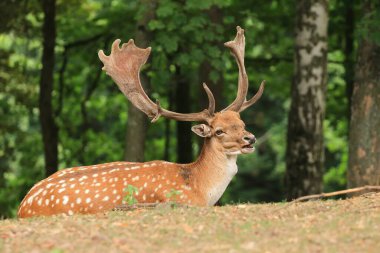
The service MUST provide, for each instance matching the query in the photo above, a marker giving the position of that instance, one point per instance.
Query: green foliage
(368, 27)
(173, 194)
(91, 112)
(130, 193)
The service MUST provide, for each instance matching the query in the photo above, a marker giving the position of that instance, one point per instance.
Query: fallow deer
(97, 188)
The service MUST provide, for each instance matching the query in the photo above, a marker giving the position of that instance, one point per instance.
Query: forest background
(59, 110)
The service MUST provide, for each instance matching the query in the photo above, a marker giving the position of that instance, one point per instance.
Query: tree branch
(85, 41)
(336, 193)
(62, 70)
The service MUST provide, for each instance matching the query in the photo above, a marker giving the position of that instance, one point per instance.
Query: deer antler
(237, 47)
(254, 99)
(124, 64)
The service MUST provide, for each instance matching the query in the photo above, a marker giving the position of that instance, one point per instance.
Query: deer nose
(251, 139)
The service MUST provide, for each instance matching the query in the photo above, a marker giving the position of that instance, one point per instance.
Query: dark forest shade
(183, 104)
(304, 157)
(48, 125)
(364, 139)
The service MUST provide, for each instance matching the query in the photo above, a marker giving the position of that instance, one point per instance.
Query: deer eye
(219, 132)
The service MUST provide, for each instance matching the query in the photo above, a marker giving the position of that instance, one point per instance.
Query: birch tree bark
(305, 156)
(364, 138)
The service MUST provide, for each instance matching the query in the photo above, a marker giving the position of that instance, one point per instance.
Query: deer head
(224, 127)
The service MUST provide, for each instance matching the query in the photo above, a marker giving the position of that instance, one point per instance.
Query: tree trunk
(137, 123)
(364, 139)
(48, 125)
(349, 52)
(216, 87)
(168, 133)
(216, 17)
(184, 147)
(305, 156)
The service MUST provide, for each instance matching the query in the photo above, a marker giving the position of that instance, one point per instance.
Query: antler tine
(237, 47)
(124, 64)
(211, 100)
(254, 99)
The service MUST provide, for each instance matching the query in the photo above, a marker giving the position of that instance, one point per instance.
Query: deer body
(97, 188)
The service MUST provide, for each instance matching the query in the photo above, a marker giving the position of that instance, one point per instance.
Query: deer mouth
(246, 149)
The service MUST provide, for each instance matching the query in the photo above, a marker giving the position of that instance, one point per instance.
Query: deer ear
(202, 130)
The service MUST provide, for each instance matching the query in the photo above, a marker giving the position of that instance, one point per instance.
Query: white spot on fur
(83, 178)
(65, 200)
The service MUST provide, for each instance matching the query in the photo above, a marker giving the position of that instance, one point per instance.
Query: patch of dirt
(351, 225)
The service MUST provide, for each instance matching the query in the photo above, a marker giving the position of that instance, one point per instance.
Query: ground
(351, 225)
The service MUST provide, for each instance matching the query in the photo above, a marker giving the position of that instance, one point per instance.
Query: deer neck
(213, 171)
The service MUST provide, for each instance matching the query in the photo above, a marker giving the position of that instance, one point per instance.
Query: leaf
(156, 25)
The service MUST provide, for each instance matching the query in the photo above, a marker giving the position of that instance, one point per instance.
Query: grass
(351, 225)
